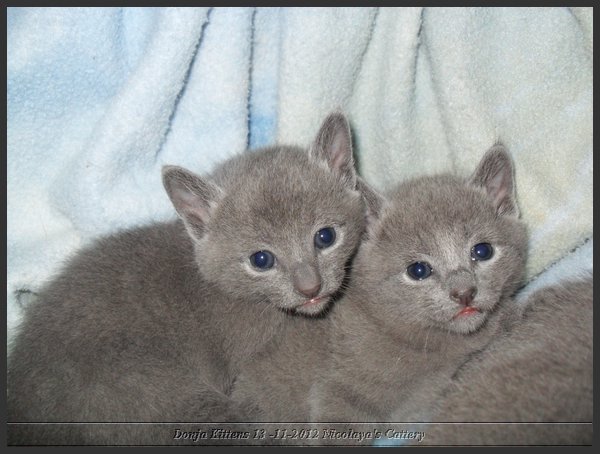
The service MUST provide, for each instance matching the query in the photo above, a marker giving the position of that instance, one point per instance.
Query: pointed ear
(193, 197)
(333, 145)
(495, 174)
(374, 201)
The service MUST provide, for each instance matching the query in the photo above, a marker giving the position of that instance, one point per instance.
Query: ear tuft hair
(495, 173)
(193, 197)
(333, 144)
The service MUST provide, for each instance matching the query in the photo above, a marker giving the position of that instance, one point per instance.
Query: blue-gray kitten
(431, 285)
(155, 323)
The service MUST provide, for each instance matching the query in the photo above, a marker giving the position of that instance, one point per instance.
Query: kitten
(154, 324)
(542, 371)
(430, 284)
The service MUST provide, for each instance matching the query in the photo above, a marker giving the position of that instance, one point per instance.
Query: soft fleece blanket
(100, 98)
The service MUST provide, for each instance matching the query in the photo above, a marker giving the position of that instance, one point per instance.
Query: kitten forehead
(283, 164)
(443, 207)
(275, 188)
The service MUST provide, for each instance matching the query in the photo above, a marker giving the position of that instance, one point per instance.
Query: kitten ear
(193, 197)
(333, 145)
(495, 174)
(374, 201)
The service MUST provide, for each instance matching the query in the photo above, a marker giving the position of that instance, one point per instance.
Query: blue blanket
(100, 98)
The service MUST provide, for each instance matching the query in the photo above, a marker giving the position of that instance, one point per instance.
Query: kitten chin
(468, 320)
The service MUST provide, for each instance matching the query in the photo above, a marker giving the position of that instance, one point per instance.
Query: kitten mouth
(312, 307)
(314, 301)
(466, 311)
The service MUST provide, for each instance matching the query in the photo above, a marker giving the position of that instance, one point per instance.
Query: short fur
(392, 342)
(392, 352)
(155, 323)
(397, 340)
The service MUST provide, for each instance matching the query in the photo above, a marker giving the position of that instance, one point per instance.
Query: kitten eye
(324, 237)
(482, 251)
(419, 271)
(263, 260)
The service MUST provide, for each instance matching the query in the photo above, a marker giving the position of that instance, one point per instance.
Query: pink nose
(306, 279)
(310, 291)
(463, 296)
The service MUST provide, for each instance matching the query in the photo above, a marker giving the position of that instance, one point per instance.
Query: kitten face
(278, 224)
(444, 252)
(286, 236)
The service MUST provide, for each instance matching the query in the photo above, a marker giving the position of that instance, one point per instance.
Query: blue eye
(419, 271)
(482, 251)
(263, 260)
(324, 237)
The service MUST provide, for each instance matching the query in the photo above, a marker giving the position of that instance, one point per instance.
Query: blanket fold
(98, 99)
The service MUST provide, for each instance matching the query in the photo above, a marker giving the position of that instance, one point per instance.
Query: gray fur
(390, 351)
(391, 342)
(155, 323)
(540, 372)
(397, 341)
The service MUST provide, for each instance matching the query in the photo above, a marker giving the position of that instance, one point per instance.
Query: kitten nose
(310, 292)
(463, 296)
(306, 280)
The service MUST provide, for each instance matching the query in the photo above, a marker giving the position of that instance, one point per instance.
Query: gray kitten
(540, 372)
(154, 324)
(430, 285)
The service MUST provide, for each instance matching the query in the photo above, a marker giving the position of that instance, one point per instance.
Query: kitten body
(539, 372)
(154, 324)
